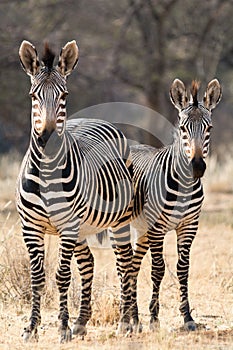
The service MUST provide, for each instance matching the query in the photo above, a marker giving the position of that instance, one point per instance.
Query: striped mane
(48, 57)
(194, 92)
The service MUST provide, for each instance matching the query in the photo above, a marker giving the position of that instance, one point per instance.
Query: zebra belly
(165, 217)
(138, 227)
(89, 226)
(87, 230)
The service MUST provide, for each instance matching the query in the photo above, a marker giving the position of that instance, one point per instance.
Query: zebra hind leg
(63, 277)
(124, 257)
(30, 333)
(184, 242)
(139, 250)
(85, 263)
(157, 272)
(36, 253)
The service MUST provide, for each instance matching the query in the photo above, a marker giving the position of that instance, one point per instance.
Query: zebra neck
(54, 151)
(181, 166)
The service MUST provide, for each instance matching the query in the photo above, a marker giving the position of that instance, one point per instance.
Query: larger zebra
(75, 172)
(169, 195)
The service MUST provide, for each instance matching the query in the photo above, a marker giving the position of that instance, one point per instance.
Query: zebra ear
(68, 58)
(178, 94)
(29, 58)
(213, 94)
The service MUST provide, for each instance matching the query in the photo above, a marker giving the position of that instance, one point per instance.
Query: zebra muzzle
(50, 142)
(199, 167)
(44, 137)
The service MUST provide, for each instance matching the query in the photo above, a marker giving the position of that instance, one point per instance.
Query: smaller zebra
(169, 193)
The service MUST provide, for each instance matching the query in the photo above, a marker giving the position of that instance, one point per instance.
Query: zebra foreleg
(139, 250)
(35, 248)
(85, 263)
(124, 257)
(63, 277)
(184, 242)
(157, 272)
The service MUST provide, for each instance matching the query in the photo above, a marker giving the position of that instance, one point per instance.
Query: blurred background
(130, 51)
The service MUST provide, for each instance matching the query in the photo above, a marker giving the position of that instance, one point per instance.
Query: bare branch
(210, 24)
(127, 21)
(167, 7)
(142, 21)
(134, 7)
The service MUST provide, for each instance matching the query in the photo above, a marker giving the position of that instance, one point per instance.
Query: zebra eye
(182, 128)
(63, 95)
(209, 127)
(32, 95)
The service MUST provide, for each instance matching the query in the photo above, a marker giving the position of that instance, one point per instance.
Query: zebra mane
(194, 91)
(48, 57)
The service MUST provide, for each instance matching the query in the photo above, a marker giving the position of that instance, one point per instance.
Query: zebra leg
(184, 242)
(63, 277)
(85, 263)
(124, 256)
(35, 245)
(156, 239)
(139, 250)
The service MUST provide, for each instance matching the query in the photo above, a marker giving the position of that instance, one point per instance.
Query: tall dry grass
(219, 173)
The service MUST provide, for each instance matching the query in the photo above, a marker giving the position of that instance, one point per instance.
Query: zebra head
(48, 87)
(195, 120)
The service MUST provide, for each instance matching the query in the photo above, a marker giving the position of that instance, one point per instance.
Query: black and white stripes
(74, 173)
(168, 195)
(169, 186)
(78, 176)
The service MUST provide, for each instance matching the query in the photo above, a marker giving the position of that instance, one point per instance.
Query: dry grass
(219, 171)
(211, 281)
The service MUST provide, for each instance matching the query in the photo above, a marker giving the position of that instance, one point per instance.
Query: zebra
(169, 190)
(74, 173)
(169, 195)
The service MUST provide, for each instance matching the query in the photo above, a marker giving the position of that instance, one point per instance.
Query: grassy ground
(211, 281)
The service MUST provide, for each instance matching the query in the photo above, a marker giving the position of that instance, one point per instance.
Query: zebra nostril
(44, 137)
(199, 167)
(50, 142)
(41, 141)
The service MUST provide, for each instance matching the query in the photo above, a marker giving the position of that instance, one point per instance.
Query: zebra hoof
(29, 335)
(124, 328)
(66, 335)
(190, 326)
(137, 327)
(154, 325)
(79, 329)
